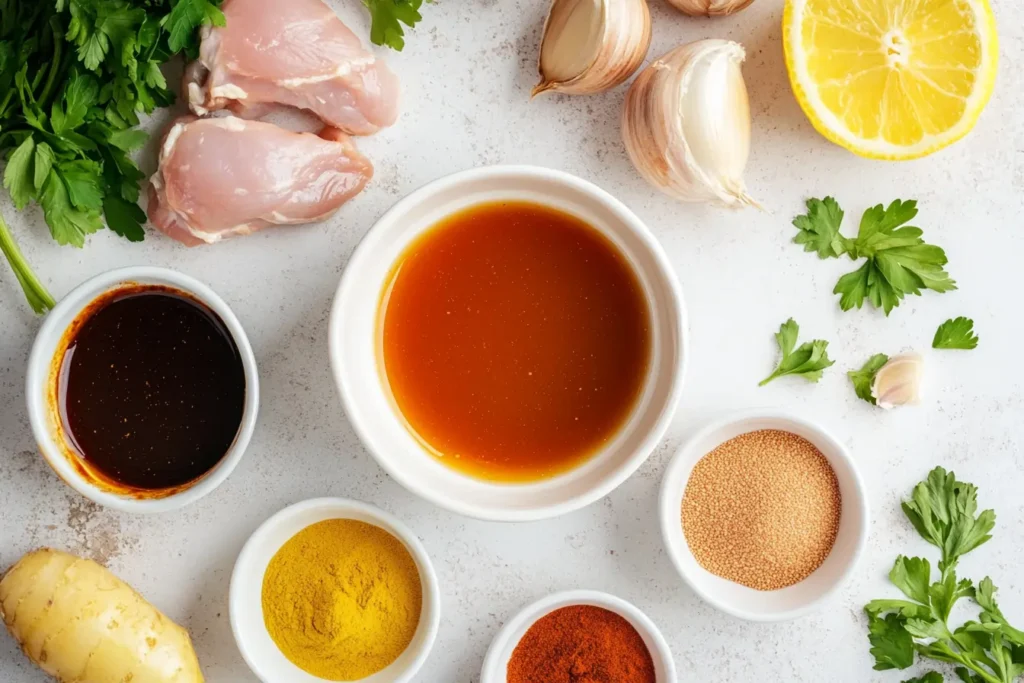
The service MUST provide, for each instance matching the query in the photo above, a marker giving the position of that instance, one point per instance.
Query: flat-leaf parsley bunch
(74, 77)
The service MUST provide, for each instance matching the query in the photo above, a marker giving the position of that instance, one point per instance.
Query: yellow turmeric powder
(342, 599)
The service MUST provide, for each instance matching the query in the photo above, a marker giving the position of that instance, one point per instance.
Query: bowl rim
(431, 591)
(38, 373)
(687, 456)
(501, 643)
(620, 474)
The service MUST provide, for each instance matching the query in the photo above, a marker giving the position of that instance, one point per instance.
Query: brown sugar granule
(581, 644)
(762, 509)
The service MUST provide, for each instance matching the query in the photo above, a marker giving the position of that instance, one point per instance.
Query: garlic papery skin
(590, 46)
(898, 382)
(710, 8)
(686, 123)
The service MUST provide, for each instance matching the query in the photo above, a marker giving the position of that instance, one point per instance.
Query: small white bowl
(246, 593)
(45, 422)
(354, 340)
(496, 662)
(733, 598)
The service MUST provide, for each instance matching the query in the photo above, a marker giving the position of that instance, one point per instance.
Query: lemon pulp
(892, 79)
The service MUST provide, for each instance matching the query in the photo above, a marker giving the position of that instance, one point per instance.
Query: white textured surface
(466, 74)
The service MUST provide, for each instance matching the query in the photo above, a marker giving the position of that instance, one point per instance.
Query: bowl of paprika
(579, 632)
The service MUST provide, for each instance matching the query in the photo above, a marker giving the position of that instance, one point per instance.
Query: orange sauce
(515, 340)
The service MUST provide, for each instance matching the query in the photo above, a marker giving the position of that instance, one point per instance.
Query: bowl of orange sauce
(509, 342)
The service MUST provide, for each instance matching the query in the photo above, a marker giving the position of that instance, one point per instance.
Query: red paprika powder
(581, 644)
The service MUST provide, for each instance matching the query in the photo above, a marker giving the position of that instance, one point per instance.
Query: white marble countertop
(466, 73)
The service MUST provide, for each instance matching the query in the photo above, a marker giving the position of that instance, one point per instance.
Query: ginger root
(79, 622)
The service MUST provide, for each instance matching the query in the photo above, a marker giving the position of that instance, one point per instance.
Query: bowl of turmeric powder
(579, 635)
(334, 590)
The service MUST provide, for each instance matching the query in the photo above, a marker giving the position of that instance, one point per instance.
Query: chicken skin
(296, 53)
(226, 176)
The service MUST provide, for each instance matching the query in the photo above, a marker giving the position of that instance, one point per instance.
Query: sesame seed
(762, 509)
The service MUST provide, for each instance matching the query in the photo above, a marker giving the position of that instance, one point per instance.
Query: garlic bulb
(592, 45)
(686, 123)
(898, 382)
(709, 8)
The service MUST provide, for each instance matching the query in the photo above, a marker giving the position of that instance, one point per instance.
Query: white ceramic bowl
(496, 662)
(354, 340)
(246, 606)
(44, 421)
(738, 600)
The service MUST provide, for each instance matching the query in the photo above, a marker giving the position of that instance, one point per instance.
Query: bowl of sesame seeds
(764, 515)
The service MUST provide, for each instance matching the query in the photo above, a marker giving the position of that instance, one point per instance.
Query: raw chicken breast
(292, 52)
(220, 177)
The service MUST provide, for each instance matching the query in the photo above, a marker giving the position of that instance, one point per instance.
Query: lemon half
(891, 79)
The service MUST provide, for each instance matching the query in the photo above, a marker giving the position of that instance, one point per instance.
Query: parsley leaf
(864, 379)
(930, 677)
(956, 333)
(808, 361)
(898, 260)
(819, 228)
(19, 176)
(185, 18)
(388, 17)
(123, 217)
(68, 225)
(891, 643)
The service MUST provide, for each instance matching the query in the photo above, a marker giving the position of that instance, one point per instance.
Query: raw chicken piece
(292, 52)
(220, 177)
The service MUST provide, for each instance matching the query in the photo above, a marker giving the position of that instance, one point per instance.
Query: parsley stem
(38, 298)
(55, 64)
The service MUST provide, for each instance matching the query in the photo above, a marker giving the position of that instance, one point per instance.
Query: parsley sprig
(75, 75)
(808, 360)
(897, 261)
(945, 513)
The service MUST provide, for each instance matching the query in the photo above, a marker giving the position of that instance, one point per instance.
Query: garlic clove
(592, 45)
(686, 124)
(710, 8)
(898, 382)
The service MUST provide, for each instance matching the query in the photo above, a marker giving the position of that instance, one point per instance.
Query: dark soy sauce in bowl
(151, 388)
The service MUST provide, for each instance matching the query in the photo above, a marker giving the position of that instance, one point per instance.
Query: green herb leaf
(912, 575)
(68, 225)
(42, 165)
(907, 610)
(124, 218)
(930, 677)
(985, 597)
(185, 19)
(819, 228)
(387, 19)
(129, 139)
(807, 361)
(18, 176)
(899, 262)
(82, 179)
(956, 333)
(864, 378)
(891, 643)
